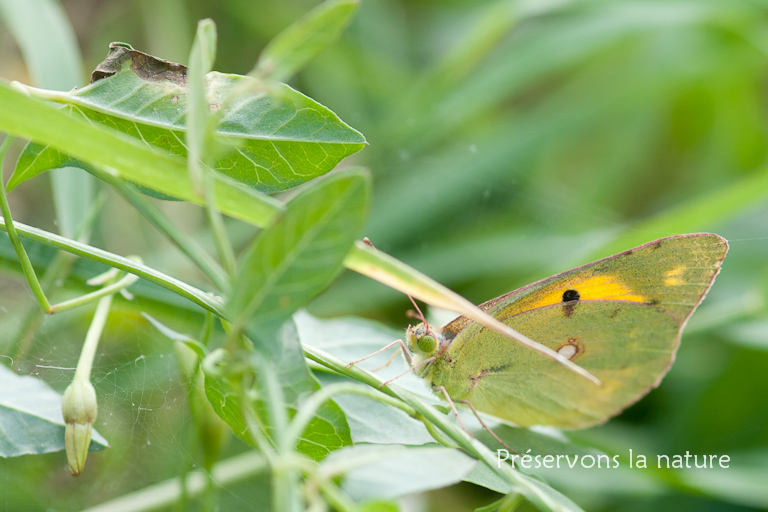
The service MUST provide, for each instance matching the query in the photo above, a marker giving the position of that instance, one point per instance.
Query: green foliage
(299, 255)
(293, 140)
(509, 141)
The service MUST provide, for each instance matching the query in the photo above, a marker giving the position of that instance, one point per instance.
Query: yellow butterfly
(620, 318)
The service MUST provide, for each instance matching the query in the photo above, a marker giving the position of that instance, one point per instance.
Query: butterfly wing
(620, 318)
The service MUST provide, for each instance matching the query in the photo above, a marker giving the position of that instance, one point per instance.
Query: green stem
(29, 271)
(85, 363)
(57, 270)
(256, 430)
(26, 265)
(335, 497)
(199, 297)
(219, 230)
(125, 282)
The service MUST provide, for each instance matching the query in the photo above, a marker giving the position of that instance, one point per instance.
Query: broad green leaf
(483, 476)
(30, 417)
(299, 43)
(125, 157)
(297, 257)
(326, 432)
(276, 137)
(371, 472)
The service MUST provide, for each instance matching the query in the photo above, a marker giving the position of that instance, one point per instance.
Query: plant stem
(109, 290)
(26, 265)
(85, 363)
(199, 297)
(58, 269)
(219, 230)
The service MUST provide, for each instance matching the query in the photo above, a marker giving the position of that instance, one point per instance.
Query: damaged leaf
(273, 137)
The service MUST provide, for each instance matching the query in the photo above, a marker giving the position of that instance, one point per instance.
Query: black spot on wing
(571, 295)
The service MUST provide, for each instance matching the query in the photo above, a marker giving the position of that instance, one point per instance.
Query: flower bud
(79, 409)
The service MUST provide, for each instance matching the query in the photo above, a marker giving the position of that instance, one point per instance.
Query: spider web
(143, 409)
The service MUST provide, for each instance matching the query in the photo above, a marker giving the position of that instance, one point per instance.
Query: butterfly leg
(401, 349)
(409, 370)
(486, 427)
(453, 408)
(389, 361)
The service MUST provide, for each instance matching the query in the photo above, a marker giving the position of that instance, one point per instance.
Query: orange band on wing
(591, 288)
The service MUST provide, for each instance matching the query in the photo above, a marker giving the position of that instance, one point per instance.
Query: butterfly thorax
(424, 342)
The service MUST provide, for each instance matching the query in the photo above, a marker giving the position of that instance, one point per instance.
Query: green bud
(79, 409)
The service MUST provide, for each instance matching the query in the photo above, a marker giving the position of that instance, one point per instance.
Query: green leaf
(276, 137)
(31, 419)
(483, 476)
(125, 157)
(298, 256)
(326, 432)
(544, 496)
(299, 43)
(392, 471)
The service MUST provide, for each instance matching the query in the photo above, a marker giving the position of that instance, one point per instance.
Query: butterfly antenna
(419, 314)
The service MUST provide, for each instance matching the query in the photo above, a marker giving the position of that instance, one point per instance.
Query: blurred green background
(508, 141)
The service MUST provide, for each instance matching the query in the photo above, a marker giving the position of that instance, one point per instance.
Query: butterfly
(619, 318)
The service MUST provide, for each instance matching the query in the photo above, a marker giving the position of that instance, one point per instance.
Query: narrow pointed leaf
(299, 43)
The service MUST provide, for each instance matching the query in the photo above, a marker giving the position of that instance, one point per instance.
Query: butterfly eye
(427, 344)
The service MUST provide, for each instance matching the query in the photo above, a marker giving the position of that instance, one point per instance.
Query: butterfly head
(422, 340)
